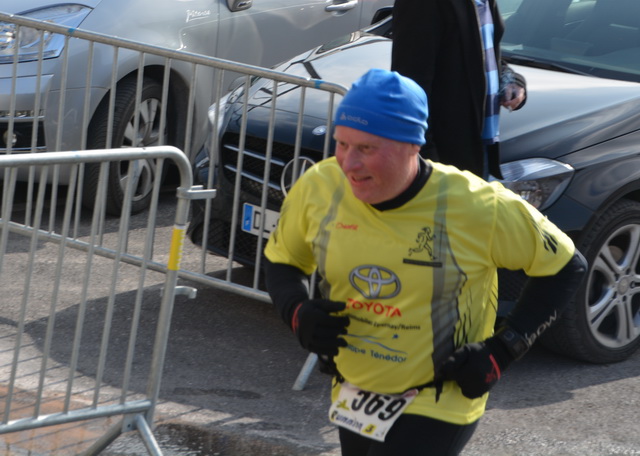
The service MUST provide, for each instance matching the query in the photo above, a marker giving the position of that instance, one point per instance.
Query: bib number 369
(367, 413)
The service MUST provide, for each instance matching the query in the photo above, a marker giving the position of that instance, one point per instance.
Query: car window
(597, 37)
(507, 7)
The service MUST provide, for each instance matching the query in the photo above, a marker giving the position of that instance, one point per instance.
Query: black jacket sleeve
(544, 298)
(287, 286)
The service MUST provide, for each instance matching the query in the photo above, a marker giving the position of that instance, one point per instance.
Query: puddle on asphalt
(131, 444)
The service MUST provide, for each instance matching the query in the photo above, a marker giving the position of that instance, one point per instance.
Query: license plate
(252, 217)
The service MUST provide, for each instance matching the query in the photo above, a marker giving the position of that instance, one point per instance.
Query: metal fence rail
(28, 128)
(64, 358)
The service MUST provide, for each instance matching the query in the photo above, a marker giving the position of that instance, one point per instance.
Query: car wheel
(602, 324)
(125, 134)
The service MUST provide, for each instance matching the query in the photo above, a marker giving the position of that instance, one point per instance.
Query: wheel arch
(177, 98)
(599, 182)
(629, 191)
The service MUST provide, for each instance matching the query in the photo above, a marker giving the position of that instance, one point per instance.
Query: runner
(407, 250)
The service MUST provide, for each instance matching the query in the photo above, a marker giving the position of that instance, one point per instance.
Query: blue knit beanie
(386, 104)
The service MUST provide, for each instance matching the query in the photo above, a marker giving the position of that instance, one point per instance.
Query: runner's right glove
(317, 330)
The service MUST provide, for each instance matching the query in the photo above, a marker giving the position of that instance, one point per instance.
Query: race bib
(366, 413)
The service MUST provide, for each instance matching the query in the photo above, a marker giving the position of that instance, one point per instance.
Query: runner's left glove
(317, 330)
(476, 367)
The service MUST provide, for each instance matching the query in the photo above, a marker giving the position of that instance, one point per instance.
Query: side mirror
(239, 5)
(382, 13)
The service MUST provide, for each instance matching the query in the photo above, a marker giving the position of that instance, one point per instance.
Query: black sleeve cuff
(287, 286)
(513, 342)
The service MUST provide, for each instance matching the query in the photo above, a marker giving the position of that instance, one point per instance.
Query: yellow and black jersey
(419, 280)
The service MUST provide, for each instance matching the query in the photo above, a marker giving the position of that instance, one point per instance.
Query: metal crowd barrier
(24, 129)
(71, 343)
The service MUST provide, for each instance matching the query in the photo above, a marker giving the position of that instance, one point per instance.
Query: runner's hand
(317, 330)
(476, 367)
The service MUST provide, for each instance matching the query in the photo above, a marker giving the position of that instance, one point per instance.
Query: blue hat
(387, 104)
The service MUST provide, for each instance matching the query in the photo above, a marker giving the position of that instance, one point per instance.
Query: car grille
(21, 139)
(253, 165)
(218, 242)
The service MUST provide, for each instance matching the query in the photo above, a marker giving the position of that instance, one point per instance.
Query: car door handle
(239, 5)
(346, 6)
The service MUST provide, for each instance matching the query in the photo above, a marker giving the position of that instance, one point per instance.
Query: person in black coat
(438, 44)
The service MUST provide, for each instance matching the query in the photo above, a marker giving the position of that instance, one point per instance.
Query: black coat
(437, 43)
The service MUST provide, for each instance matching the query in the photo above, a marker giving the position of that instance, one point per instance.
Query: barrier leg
(147, 436)
(105, 440)
(305, 372)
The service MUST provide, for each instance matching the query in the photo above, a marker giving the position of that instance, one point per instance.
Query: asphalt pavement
(228, 390)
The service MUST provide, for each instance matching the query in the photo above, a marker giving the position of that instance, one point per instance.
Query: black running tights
(411, 435)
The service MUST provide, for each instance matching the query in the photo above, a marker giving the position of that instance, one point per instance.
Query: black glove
(476, 367)
(328, 366)
(317, 330)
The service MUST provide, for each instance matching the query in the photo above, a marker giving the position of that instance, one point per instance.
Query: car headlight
(539, 181)
(221, 107)
(28, 40)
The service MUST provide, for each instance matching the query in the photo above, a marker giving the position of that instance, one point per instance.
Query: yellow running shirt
(419, 280)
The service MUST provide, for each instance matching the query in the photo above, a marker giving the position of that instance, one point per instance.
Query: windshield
(596, 37)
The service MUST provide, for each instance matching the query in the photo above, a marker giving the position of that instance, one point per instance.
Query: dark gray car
(573, 152)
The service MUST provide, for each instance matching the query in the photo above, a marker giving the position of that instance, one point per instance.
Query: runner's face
(377, 168)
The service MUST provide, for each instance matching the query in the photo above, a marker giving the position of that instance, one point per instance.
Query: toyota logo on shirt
(290, 174)
(375, 282)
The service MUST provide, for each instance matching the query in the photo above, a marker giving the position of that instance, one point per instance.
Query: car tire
(602, 324)
(124, 135)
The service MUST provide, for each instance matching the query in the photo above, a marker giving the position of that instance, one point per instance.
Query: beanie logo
(355, 119)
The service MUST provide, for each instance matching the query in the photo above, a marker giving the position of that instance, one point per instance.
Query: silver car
(262, 33)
